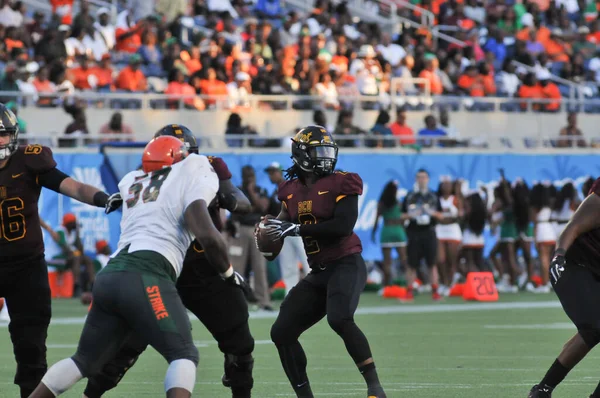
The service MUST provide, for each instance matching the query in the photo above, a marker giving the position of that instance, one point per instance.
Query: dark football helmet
(182, 133)
(8, 127)
(314, 150)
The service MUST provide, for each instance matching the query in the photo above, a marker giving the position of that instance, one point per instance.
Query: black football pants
(223, 310)
(334, 292)
(27, 293)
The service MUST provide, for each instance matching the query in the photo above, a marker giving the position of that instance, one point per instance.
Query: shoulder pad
(285, 189)
(348, 183)
(38, 159)
(220, 167)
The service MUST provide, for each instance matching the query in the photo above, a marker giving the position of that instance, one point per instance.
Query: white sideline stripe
(399, 309)
(542, 326)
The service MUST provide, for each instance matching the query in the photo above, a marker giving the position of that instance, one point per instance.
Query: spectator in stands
(52, 46)
(405, 72)
(127, 33)
(430, 74)
(104, 74)
(131, 77)
(474, 11)
(10, 16)
(178, 88)
(495, 45)
(594, 67)
(451, 131)
(327, 91)
(430, 130)
(391, 52)
(239, 91)
(320, 119)
(75, 130)
(116, 126)
(151, 55)
(36, 28)
(530, 89)
(212, 86)
(507, 80)
(12, 39)
(9, 82)
(557, 48)
(345, 127)
(234, 127)
(571, 130)
(550, 91)
(381, 129)
(74, 45)
(44, 87)
(243, 252)
(471, 82)
(106, 31)
(79, 76)
(24, 81)
(83, 20)
(63, 9)
(400, 129)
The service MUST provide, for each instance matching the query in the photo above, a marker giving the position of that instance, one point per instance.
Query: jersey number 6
(151, 192)
(12, 222)
(311, 246)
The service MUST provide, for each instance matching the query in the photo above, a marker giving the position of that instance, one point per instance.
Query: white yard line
(399, 309)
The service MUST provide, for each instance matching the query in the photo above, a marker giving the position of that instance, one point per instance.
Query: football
(269, 248)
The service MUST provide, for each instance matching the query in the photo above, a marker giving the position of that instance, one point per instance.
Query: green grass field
(452, 349)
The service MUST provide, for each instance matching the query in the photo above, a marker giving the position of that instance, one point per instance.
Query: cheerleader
(393, 235)
(567, 201)
(474, 221)
(508, 234)
(448, 232)
(525, 231)
(544, 232)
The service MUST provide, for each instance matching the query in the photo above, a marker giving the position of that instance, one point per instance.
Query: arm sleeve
(52, 179)
(342, 223)
(220, 168)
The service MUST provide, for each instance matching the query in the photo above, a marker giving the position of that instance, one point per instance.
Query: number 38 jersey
(155, 203)
(20, 232)
(317, 204)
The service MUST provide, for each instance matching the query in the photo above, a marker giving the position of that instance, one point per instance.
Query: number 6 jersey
(155, 203)
(20, 232)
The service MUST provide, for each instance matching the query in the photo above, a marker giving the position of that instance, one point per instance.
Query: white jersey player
(166, 205)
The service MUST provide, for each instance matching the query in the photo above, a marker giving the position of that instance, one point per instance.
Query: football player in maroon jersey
(321, 205)
(24, 170)
(575, 277)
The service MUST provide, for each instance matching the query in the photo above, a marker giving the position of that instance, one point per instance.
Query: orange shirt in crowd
(176, 88)
(594, 37)
(551, 91)
(43, 87)
(215, 87)
(489, 85)
(557, 51)
(104, 75)
(79, 78)
(406, 134)
(129, 44)
(472, 84)
(531, 92)
(340, 61)
(542, 35)
(63, 8)
(10, 44)
(435, 83)
(131, 80)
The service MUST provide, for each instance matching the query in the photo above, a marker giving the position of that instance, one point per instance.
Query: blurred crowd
(232, 49)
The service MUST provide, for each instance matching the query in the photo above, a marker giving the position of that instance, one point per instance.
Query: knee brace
(590, 335)
(238, 373)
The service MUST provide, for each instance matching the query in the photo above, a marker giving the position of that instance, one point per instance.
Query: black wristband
(100, 199)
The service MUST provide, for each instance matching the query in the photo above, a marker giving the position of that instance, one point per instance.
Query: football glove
(238, 280)
(557, 266)
(114, 202)
(278, 229)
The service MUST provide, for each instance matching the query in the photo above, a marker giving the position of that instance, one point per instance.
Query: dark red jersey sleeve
(38, 159)
(595, 187)
(284, 190)
(349, 184)
(220, 168)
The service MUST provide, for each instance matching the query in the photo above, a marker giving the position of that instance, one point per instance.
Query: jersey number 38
(152, 190)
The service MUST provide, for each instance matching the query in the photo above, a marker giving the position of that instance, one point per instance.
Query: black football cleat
(540, 392)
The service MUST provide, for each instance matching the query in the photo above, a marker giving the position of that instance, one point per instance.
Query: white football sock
(181, 374)
(62, 376)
